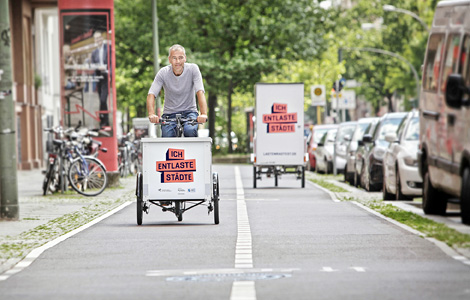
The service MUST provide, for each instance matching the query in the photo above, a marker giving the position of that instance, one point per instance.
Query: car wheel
(363, 178)
(399, 195)
(386, 194)
(434, 201)
(465, 197)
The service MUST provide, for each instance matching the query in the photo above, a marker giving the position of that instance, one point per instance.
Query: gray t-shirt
(180, 91)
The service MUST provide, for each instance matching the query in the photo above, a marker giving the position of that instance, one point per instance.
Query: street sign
(318, 96)
(347, 100)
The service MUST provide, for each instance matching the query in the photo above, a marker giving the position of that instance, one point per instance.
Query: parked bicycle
(68, 164)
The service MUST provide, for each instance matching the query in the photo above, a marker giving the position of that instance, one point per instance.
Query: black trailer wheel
(303, 177)
(275, 178)
(254, 177)
(215, 195)
(140, 204)
(179, 210)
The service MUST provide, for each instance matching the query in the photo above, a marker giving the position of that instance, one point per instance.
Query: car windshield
(412, 132)
(359, 132)
(330, 136)
(344, 131)
(388, 126)
(318, 134)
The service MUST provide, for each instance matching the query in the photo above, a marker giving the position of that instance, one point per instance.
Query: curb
(449, 251)
(35, 253)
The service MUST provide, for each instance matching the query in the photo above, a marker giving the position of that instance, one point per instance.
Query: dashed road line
(242, 290)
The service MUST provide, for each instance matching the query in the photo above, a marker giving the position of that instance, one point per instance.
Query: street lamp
(392, 8)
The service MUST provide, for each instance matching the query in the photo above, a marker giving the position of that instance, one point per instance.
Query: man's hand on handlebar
(202, 119)
(154, 118)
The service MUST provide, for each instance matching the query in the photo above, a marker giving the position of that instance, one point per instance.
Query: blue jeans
(169, 130)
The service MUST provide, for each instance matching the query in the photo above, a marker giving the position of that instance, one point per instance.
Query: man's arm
(201, 99)
(151, 109)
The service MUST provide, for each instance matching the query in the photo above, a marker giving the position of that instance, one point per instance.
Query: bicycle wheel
(88, 176)
(48, 178)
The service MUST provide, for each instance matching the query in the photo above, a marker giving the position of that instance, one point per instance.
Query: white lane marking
(242, 290)
(358, 269)
(38, 251)
(328, 269)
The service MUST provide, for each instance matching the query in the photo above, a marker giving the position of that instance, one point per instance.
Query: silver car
(402, 180)
(343, 137)
(324, 152)
(359, 131)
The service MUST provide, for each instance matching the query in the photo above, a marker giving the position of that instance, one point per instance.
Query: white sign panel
(347, 100)
(176, 168)
(279, 124)
(317, 93)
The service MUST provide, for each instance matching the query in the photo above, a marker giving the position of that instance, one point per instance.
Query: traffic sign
(317, 93)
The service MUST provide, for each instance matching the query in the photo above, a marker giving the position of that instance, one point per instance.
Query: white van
(444, 104)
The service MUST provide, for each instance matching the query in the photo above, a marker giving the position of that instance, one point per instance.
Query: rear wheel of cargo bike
(179, 210)
(138, 193)
(254, 177)
(215, 196)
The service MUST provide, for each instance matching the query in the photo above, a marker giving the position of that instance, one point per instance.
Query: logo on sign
(175, 168)
(280, 121)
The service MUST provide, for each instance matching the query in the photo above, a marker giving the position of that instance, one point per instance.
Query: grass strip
(20, 245)
(430, 228)
(328, 185)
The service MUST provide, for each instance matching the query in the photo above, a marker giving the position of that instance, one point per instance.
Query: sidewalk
(38, 214)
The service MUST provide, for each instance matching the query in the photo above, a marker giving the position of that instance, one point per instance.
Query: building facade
(36, 77)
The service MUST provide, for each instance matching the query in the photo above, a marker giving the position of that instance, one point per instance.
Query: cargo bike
(177, 174)
(279, 145)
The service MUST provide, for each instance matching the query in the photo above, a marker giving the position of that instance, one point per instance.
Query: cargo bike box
(279, 144)
(177, 176)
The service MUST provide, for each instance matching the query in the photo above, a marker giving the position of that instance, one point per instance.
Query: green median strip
(328, 185)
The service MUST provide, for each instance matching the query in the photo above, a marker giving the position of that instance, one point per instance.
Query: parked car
(357, 135)
(401, 179)
(372, 169)
(362, 150)
(444, 157)
(343, 137)
(317, 133)
(324, 152)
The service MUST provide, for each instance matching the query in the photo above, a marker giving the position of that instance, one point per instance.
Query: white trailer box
(279, 124)
(177, 168)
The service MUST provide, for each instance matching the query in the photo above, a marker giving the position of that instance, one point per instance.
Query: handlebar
(166, 121)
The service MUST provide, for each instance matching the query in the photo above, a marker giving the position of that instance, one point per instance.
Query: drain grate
(222, 274)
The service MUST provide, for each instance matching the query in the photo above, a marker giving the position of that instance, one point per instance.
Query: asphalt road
(271, 243)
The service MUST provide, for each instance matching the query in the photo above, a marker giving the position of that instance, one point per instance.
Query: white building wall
(48, 66)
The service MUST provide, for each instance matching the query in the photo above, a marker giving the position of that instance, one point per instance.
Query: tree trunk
(229, 116)
(390, 103)
(212, 106)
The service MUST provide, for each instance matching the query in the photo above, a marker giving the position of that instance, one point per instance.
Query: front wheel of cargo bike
(215, 199)
(140, 205)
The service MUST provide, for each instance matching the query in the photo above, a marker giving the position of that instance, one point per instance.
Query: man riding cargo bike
(177, 172)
